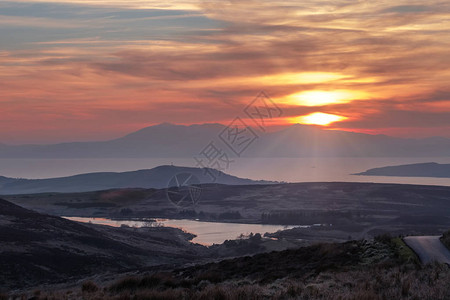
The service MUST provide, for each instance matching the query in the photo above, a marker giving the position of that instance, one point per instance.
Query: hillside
(37, 248)
(158, 177)
(373, 270)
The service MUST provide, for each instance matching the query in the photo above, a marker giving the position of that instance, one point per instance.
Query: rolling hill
(158, 177)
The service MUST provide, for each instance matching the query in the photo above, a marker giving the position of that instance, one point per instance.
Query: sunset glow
(318, 118)
(99, 69)
(318, 98)
(274, 124)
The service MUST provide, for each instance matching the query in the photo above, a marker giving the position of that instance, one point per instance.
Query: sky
(94, 70)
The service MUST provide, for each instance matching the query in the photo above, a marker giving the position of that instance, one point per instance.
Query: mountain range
(178, 141)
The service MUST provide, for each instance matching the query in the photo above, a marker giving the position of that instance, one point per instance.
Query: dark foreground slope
(36, 248)
(372, 270)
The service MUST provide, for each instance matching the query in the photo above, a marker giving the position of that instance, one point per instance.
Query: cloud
(125, 4)
(105, 60)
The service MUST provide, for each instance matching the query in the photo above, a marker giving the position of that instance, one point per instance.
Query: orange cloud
(380, 65)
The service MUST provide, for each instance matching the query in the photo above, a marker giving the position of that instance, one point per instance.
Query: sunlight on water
(208, 233)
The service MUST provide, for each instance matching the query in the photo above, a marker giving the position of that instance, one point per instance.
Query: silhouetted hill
(168, 140)
(158, 177)
(431, 169)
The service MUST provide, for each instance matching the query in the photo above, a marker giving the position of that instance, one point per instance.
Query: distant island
(430, 169)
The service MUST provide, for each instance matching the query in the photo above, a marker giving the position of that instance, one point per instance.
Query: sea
(316, 169)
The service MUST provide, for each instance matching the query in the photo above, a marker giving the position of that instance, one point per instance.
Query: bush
(404, 253)
(89, 287)
(445, 239)
(128, 283)
(162, 279)
(384, 238)
(211, 276)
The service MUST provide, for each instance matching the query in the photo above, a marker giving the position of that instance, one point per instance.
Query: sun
(318, 118)
(319, 98)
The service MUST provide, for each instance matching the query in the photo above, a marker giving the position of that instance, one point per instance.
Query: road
(428, 248)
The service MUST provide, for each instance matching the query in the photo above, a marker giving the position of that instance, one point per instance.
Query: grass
(89, 287)
(372, 270)
(403, 251)
(370, 283)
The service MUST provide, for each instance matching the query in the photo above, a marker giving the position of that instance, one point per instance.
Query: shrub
(404, 253)
(445, 239)
(89, 287)
(211, 276)
(214, 293)
(384, 238)
(159, 295)
(147, 282)
(128, 283)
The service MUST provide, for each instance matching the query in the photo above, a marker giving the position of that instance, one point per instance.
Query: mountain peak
(164, 124)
